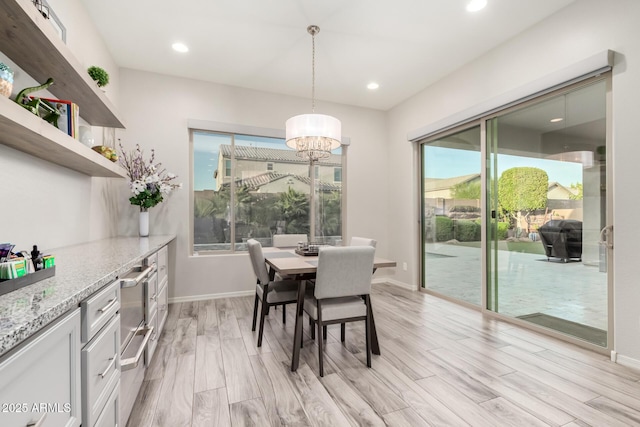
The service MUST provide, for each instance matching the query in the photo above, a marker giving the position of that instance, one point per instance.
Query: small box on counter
(23, 268)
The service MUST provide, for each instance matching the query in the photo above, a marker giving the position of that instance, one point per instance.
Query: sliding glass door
(547, 195)
(451, 215)
(539, 172)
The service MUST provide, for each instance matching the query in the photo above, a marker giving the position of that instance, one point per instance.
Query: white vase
(144, 224)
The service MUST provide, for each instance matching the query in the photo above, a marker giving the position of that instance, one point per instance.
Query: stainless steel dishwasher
(134, 336)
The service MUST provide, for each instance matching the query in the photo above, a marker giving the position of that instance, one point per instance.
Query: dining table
(287, 262)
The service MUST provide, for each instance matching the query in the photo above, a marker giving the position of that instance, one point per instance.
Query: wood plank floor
(441, 365)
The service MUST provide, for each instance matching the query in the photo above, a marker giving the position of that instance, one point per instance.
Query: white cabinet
(42, 378)
(157, 303)
(100, 371)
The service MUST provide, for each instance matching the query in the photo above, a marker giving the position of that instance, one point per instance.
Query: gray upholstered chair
(271, 293)
(287, 240)
(341, 292)
(363, 241)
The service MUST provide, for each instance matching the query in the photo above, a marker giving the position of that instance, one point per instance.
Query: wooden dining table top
(287, 261)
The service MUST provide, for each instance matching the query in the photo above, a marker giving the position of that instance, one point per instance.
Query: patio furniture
(562, 239)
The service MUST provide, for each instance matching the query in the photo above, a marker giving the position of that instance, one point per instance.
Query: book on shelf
(69, 119)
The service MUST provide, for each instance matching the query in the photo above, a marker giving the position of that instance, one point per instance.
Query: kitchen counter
(81, 270)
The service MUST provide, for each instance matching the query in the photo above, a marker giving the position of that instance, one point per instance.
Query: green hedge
(465, 230)
(444, 229)
(502, 230)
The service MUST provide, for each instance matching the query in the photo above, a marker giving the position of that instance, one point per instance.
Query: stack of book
(68, 121)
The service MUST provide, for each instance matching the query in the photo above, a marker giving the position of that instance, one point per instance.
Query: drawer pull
(38, 423)
(106, 371)
(154, 297)
(111, 303)
(132, 362)
(129, 283)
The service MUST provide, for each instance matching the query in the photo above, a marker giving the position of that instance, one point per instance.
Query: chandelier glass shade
(313, 136)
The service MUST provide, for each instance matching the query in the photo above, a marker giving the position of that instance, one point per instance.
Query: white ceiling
(404, 45)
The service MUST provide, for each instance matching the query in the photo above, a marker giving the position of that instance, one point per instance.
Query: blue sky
(447, 163)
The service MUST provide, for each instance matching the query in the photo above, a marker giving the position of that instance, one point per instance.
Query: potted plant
(99, 75)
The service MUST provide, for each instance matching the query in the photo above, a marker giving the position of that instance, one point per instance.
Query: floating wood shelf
(26, 132)
(32, 43)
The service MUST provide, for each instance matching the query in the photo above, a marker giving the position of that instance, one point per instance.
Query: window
(337, 174)
(251, 199)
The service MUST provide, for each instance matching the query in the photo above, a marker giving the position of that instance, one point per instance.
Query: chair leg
(342, 331)
(255, 313)
(368, 331)
(320, 354)
(284, 314)
(312, 327)
(263, 314)
(324, 332)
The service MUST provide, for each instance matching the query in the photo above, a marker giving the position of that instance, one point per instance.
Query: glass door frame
(482, 121)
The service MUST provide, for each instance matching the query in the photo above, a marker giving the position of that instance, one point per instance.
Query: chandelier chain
(313, 72)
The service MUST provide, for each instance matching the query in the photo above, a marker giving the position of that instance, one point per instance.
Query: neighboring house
(255, 161)
(435, 188)
(558, 191)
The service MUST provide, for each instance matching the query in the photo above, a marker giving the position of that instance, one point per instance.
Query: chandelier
(313, 136)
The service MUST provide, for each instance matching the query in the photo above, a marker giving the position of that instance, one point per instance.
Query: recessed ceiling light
(476, 5)
(180, 47)
(373, 86)
(556, 120)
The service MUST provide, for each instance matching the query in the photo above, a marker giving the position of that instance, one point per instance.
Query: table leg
(297, 337)
(375, 346)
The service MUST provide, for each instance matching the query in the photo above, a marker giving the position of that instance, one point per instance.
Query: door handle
(606, 236)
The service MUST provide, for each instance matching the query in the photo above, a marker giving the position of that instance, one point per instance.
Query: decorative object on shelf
(149, 183)
(109, 137)
(107, 152)
(313, 136)
(34, 104)
(6, 80)
(47, 13)
(86, 137)
(99, 75)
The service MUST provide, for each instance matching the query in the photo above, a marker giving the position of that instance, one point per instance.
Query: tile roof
(255, 182)
(243, 152)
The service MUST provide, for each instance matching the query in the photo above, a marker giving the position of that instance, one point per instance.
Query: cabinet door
(41, 379)
(163, 264)
(163, 305)
(151, 290)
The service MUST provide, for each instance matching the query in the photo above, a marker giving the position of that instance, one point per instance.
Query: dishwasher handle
(129, 282)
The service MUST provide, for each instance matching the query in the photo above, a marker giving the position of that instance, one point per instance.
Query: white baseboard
(386, 280)
(629, 362)
(212, 296)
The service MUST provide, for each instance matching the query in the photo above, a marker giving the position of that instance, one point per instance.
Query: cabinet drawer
(110, 414)
(163, 267)
(41, 380)
(153, 341)
(100, 370)
(151, 290)
(99, 309)
(163, 306)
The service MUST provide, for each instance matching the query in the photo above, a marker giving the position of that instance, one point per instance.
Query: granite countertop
(81, 270)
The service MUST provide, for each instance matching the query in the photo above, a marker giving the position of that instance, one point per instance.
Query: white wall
(582, 29)
(46, 204)
(157, 109)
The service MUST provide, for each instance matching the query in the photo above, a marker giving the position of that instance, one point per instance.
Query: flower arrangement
(148, 182)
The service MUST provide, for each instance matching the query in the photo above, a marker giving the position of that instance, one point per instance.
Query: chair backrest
(257, 261)
(344, 271)
(287, 240)
(362, 241)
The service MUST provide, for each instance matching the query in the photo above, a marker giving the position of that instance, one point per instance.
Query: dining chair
(342, 291)
(287, 240)
(270, 293)
(362, 241)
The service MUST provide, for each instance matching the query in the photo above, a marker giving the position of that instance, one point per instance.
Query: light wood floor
(441, 365)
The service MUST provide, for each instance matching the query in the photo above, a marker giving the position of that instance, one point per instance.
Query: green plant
(99, 75)
(444, 229)
(465, 230)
